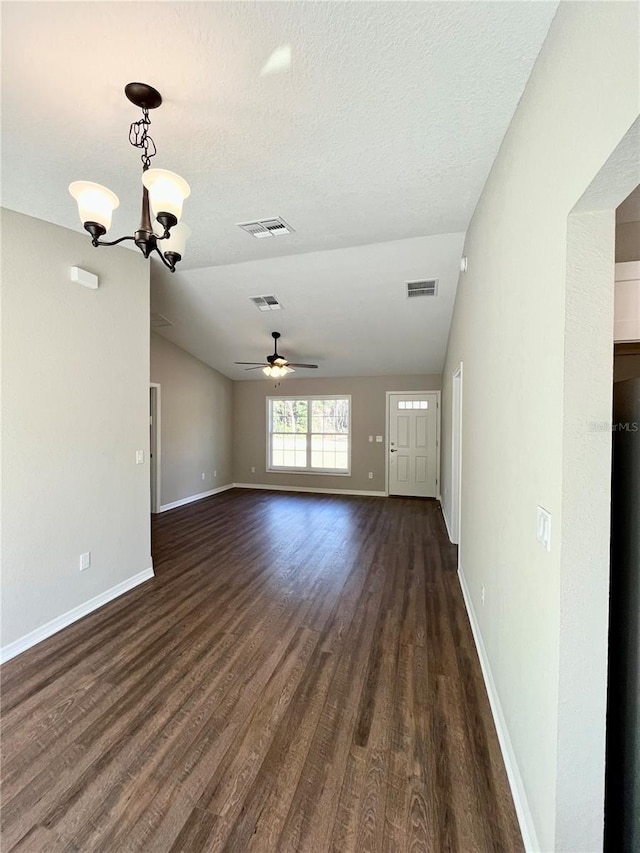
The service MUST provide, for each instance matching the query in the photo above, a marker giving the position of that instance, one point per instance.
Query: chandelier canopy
(163, 193)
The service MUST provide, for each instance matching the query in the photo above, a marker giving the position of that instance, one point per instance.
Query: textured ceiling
(384, 127)
(343, 309)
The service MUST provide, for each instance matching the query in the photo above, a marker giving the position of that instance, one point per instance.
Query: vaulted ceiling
(381, 127)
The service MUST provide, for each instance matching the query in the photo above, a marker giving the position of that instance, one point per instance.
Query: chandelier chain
(139, 138)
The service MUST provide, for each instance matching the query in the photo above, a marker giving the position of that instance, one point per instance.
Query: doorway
(622, 769)
(154, 446)
(413, 427)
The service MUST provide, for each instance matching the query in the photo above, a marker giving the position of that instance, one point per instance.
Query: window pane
(277, 458)
(342, 442)
(330, 416)
(342, 416)
(330, 451)
(289, 415)
(294, 454)
(328, 459)
(342, 461)
(277, 415)
(289, 443)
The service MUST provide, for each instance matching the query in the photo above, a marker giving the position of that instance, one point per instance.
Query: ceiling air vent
(266, 303)
(266, 227)
(158, 320)
(426, 287)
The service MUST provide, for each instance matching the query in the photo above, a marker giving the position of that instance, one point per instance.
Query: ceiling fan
(275, 364)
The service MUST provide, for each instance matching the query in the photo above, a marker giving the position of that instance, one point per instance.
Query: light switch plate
(543, 527)
(379, 439)
(139, 457)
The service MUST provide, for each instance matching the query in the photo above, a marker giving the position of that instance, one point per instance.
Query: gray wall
(627, 242)
(196, 418)
(368, 414)
(533, 326)
(625, 366)
(75, 378)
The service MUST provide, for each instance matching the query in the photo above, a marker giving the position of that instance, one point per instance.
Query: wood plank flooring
(299, 676)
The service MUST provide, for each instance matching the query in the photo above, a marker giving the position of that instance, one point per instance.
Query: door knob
(393, 451)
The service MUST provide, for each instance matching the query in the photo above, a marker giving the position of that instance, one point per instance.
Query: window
(413, 404)
(309, 434)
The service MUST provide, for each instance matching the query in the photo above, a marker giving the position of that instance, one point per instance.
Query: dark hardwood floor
(300, 676)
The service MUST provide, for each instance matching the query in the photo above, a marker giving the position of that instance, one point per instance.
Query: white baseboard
(192, 498)
(32, 638)
(518, 792)
(359, 492)
(447, 523)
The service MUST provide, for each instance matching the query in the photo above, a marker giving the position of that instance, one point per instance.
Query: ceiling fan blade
(293, 364)
(258, 363)
(259, 367)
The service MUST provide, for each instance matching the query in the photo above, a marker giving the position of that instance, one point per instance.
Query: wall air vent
(266, 303)
(426, 287)
(158, 320)
(260, 228)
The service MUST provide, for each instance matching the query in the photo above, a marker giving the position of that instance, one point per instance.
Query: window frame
(323, 472)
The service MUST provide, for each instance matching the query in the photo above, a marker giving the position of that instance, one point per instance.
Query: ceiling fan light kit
(276, 367)
(277, 371)
(163, 193)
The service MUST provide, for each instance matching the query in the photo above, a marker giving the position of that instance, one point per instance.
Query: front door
(413, 445)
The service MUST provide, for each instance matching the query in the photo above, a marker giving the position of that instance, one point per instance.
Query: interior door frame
(457, 391)
(388, 429)
(155, 468)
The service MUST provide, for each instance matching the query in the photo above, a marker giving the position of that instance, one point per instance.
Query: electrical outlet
(253, 469)
(482, 595)
(85, 561)
(203, 475)
(371, 475)
(215, 474)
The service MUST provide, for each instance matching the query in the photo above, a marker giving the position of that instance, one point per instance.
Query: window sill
(308, 471)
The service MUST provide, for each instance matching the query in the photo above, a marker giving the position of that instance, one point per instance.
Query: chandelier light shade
(95, 202)
(163, 193)
(176, 240)
(167, 192)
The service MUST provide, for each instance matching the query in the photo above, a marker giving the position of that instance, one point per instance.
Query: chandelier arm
(112, 243)
(169, 266)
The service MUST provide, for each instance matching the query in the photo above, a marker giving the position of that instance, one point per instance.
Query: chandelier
(163, 193)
